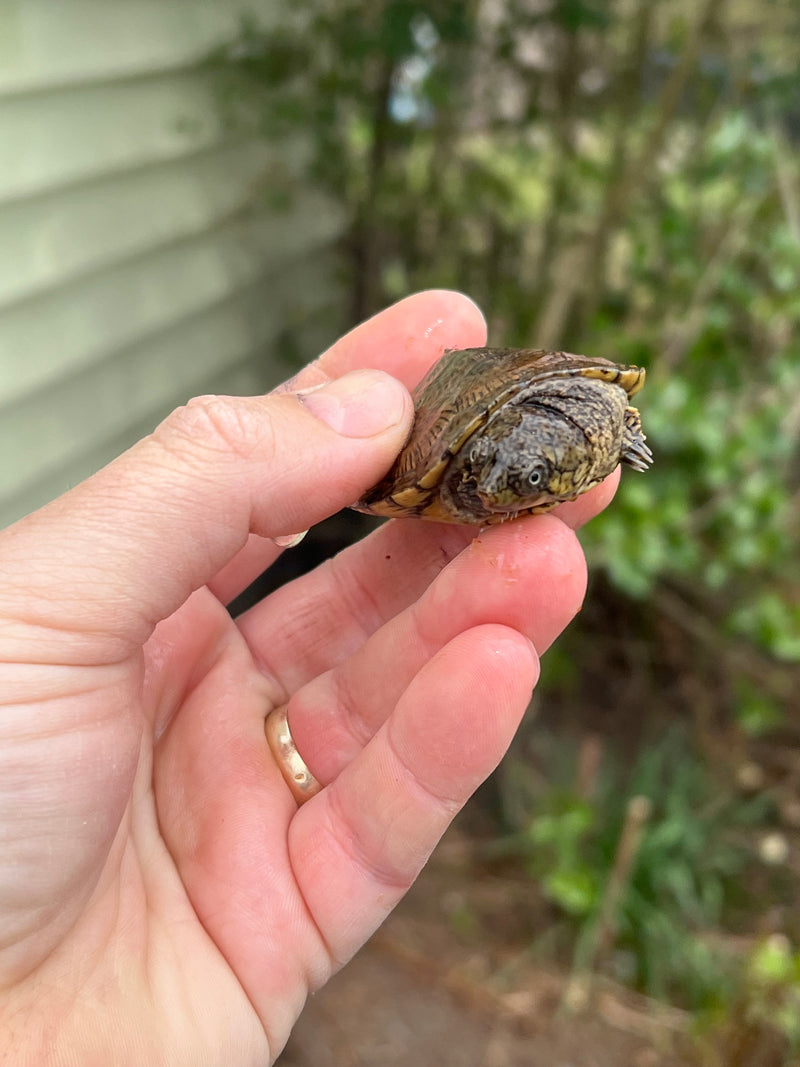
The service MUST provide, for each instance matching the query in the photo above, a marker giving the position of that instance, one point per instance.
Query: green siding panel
(52, 239)
(46, 43)
(79, 324)
(53, 139)
(139, 261)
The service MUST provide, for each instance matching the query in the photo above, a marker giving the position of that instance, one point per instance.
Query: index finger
(403, 340)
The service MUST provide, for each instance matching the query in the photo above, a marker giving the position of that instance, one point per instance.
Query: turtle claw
(635, 452)
(639, 457)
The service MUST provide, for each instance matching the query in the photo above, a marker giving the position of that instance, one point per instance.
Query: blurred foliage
(616, 178)
(684, 882)
(660, 878)
(772, 990)
(760, 1022)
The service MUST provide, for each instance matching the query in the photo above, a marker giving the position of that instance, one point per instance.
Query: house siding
(140, 261)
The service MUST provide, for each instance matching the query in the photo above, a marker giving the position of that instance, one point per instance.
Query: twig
(787, 185)
(605, 927)
(584, 285)
(740, 656)
(636, 815)
(734, 239)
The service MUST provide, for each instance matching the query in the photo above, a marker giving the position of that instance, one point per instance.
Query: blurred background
(199, 196)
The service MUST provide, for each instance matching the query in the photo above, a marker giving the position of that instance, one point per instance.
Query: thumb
(124, 549)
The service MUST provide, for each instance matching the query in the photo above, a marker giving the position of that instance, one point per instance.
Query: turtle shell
(502, 432)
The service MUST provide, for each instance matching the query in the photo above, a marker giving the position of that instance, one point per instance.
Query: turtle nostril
(479, 451)
(494, 481)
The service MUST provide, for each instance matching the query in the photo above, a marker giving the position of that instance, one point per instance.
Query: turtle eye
(535, 478)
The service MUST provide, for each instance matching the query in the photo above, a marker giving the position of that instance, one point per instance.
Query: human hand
(164, 900)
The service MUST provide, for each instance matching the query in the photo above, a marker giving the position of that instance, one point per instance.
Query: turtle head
(504, 473)
(527, 458)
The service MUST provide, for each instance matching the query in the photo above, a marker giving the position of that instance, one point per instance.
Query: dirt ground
(450, 979)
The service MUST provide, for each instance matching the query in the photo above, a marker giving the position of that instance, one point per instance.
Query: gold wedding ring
(298, 777)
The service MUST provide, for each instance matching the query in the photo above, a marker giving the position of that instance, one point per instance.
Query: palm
(206, 788)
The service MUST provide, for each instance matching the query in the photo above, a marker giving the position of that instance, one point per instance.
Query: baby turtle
(502, 432)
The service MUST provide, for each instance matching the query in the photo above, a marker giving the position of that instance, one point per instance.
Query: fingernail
(359, 404)
(289, 540)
